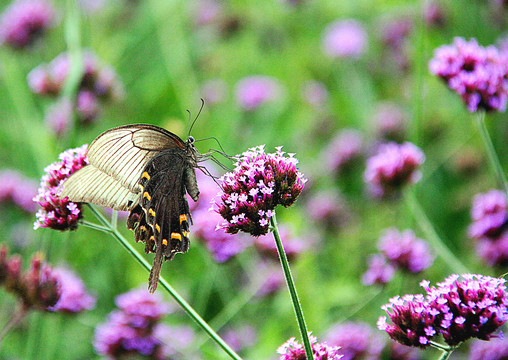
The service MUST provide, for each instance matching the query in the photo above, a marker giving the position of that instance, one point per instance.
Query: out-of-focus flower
(293, 246)
(345, 38)
(253, 91)
(495, 349)
(379, 271)
(315, 93)
(405, 250)
(329, 209)
(293, 350)
(357, 341)
(207, 12)
(489, 214)
(394, 34)
(59, 117)
(56, 213)
(214, 91)
(258, 184)
(272, 278)
(135, 328)
(241, 337)
(412, 322)
(392, 167)
(389, 121)
(74, 298)
(398, 351)
(174, 338)
(468, 306)
(16, 188)
(87, 106)
(24, 21)
(36, 288)
(478, 74)
(434, 14)
(493, 251)
(344, 150)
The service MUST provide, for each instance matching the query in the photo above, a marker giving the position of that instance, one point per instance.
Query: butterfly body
(148, 171)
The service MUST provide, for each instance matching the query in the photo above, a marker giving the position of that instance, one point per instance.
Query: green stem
(15, 319)
(94, 226)
(432, 237)
(445, 355)
(292, 289)
(184, 304)
(440, 346)
(491, 153)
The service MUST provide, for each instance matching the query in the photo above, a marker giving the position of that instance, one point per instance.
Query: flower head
(16, 188)
(489, 214)
(493, 251)
(390, 122)
(476, 73)
(24, 21)
(74, 297)
(254, 91)
(240, 337)
(258, 184)
(346, 38)
(379, 271)
(405, 250)
(56, 213)
(344, 150)
(392, 167)
(329, 209)
(314, 93)
(356, 340)
(293, 350)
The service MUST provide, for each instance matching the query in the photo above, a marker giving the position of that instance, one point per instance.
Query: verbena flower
(36, 288)
(412, 321)
(59, 117)
(214, 91)
(489, 214)
(357, 341)
(379, 271)
(493, 251)
(392, 167)
(241, 337)
(314, 93)
(74, 298)
(389, 121)
(345, 38)
(272, 279)
(293, 350)
(495, 349)
(259, 183)
(345, 149)
(56, 213)
(24, 21)
(478, 74)
(395, 34)
(18, 189)
(397, 351)
(405, 250)
(468, 306)
(253, 91)
(434, 14)
(328, 209)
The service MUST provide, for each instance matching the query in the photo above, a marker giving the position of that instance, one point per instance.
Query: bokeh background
(268, 76)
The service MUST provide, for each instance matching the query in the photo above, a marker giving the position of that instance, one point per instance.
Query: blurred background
(328, 80)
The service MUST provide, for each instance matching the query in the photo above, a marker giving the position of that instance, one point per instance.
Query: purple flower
(87, 106)
(434, 14)
(344, 150)
(379, 271)
(393, 166)
(24, 21)
(254, 91)
(315, 93)
(272, 279)
(493, 252)
(258, 184)
(402, 352)
(477, 74)
(467, 306)
(329, 209)
(214, 91)
(390, 122)
(357, 341)
(142, 307)
(241, 337)
(59, 117)
(16, 188)
(489, 214)
(174, 338)
(56, 213)
(396, 31)
(207, 12)
(293, 246)
(405, 250)
(495, 349)
(346, 38)
(293, 350)
(412, 320)
(74, 297)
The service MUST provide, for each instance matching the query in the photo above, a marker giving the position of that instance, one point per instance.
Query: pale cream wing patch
(123, 152)
(91, 185)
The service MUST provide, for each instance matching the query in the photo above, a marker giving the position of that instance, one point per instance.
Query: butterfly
(146, 170)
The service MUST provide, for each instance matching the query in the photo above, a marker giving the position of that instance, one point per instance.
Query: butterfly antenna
(199, 113)
(218, 143)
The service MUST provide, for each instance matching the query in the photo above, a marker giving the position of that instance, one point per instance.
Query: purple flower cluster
(495, 349)
(379, 271)
(135, 328)
(345, 38)
(390, 122)
(24, 21)
(329, 209)
(357, 341)
(241, 337)
(344, 150)
(98, 83)
(258, 184)
(74, 298)
(36, 288)
(293, 246)
(474, 306)
(314, 93)
(488, 228)
(293, 350)
(478, 74)
(56, 213)
(395, 34)
(254, 91)
(16, 188)
(393, 166)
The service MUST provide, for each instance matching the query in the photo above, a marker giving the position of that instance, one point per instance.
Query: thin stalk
(445, 355)
(491, 153)
(94, 226)
(432, 237)
(292, 289)
(184, 304)
(15, 319)
(440, 346)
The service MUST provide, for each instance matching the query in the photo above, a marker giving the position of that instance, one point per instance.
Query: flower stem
(15, 319)
(445, 355)
(491, 153)
(292, 289)
(440, 346)
(184, 304)
(432, 237)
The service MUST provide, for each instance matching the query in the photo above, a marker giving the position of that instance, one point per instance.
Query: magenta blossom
(356, 340)
(74, 298)
(254, 91)
(293, 350)
(346, 38)
(379, 271)
(16, 188)
(345, 149)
